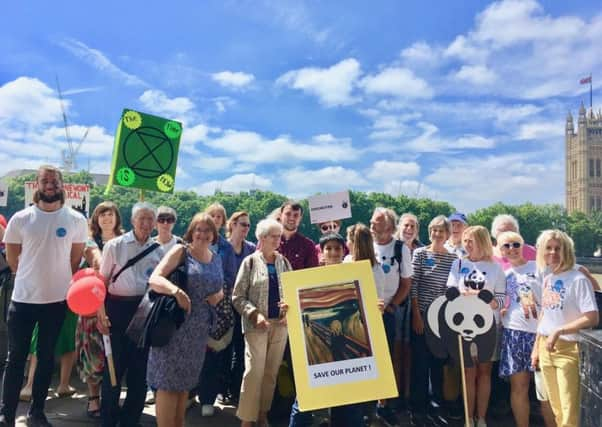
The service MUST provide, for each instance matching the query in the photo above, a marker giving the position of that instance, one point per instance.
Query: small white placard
(3, 193)
(329, 207)
(77, 196)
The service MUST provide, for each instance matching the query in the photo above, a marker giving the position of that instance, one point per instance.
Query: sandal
(70, 391)
(94, 413)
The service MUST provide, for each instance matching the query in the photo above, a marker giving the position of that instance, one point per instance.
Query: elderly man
(44, 245)
(395, 259)
(126, 286)
(459, 224)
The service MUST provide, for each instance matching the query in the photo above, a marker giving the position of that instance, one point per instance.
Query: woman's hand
(215, 298)
(417, 323)
(503, 311)
(102, 321)
(283, 308)
(551, 341)
(261, 322)
(380, 303)
(535, 356)
(183, 300)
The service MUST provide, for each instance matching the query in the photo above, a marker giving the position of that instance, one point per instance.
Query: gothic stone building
(583, 162)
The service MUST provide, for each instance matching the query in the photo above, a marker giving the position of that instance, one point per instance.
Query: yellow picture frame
(337, 338)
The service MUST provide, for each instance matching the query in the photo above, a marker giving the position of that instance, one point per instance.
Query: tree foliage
(586, 230)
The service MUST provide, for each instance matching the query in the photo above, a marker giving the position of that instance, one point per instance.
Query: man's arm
(405, 283)
(13, 250)
(77, 251)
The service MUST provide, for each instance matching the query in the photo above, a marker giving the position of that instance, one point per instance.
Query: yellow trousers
(560, 369)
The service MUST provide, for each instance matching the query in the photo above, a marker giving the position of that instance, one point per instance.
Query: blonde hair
(480, 235)
(440, 221)
(233, 218)
(216, 206)
(363, 245)
(509, 235)
(567, 249)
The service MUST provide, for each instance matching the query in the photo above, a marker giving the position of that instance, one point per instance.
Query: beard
(289, 227)
(57, 196)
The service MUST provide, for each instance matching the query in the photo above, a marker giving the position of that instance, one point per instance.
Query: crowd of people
(233, 336)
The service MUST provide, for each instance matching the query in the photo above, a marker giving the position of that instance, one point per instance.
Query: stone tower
(583, 162)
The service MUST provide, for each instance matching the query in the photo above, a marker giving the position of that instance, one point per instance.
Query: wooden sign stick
(464, 394)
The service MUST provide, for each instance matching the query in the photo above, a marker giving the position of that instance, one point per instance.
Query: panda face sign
(475, 280)
(469, 316)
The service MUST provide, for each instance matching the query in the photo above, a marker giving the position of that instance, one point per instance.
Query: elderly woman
(166, 219)
(237, 229)
(567, 305)
(216, 370)
(256, 297)
(478, 263)
(519, 317)
(173, 370)
(432, 265)
(500, 224)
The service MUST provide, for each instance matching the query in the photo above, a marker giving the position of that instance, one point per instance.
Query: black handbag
(158, 315)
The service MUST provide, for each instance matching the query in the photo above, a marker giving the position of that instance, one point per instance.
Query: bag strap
(130, 262)
(398, 253)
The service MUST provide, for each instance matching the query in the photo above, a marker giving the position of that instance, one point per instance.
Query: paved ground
(70, 412)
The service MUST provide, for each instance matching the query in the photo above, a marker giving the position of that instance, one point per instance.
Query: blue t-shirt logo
(464, 270)
(61, 232)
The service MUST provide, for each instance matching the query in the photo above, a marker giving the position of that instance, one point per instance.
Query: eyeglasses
(327, 227)
(166, 219)
(514, 245)
(244, 224)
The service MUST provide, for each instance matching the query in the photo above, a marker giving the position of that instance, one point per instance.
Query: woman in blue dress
(173, 370)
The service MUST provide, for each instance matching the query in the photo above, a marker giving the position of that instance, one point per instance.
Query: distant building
(584, 162)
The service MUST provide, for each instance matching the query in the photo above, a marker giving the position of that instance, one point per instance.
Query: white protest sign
(3, 193)
(329, 207)
(77, 196)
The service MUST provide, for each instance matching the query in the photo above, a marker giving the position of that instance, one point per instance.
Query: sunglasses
(244, 224)
(166, 219)
(326, 227)
(513, 245)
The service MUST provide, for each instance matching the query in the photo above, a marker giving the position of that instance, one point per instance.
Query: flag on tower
(585, 80)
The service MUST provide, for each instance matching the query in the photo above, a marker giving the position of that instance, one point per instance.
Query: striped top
(431, 271)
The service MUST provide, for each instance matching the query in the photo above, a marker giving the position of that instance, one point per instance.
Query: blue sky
(458, 101)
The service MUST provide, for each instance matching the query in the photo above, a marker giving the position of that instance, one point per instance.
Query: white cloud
(410, 188)
(430, 141)
(251, 147)
(333, 86)
(385, 170)
(470, 183)
(302, 182)
(28, 100)
(476, 74)
(420, 53)
(99, 60)
(541, 130)
(233, 79)
(213, 163)
(158, 102)
(399, 82)
(235, 184)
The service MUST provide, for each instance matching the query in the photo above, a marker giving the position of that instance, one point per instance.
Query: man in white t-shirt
(44, 246)
(396, 261)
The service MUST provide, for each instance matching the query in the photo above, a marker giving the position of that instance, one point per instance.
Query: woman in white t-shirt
(475, 272)
(567, 306)
(519, 317)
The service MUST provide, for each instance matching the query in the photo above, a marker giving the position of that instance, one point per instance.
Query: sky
(459, 101)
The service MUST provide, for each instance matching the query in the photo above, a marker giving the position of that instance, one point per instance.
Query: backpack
(398, 254)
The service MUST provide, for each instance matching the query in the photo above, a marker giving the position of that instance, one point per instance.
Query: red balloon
(85, 272)
(86, 295)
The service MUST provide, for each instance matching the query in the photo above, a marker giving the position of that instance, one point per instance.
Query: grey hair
(144, 206)
(264, 227)
(166, 210)
(440, 221)
(503, 219)
(390, 216)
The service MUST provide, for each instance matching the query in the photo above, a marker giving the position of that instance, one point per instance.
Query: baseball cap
(458, 216)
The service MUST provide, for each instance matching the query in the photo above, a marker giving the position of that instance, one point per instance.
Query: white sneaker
(207, 411)
(480, 423)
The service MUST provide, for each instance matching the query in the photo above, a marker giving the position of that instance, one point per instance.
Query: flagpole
(591, 106)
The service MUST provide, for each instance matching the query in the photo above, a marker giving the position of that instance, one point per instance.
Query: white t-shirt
(167, 246)
(468, 275)
(523, 296)
(459, 251)
(386, 257)
(565, 297)
(377, 272)
(46, 238)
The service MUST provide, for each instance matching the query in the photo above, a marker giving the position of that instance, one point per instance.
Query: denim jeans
(22, 318)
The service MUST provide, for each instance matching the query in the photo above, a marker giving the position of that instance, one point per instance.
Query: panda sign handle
(464, 396)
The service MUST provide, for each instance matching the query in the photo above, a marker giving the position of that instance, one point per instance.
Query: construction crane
(69, 155)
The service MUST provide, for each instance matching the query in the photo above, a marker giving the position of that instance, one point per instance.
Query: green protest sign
(145, 153)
